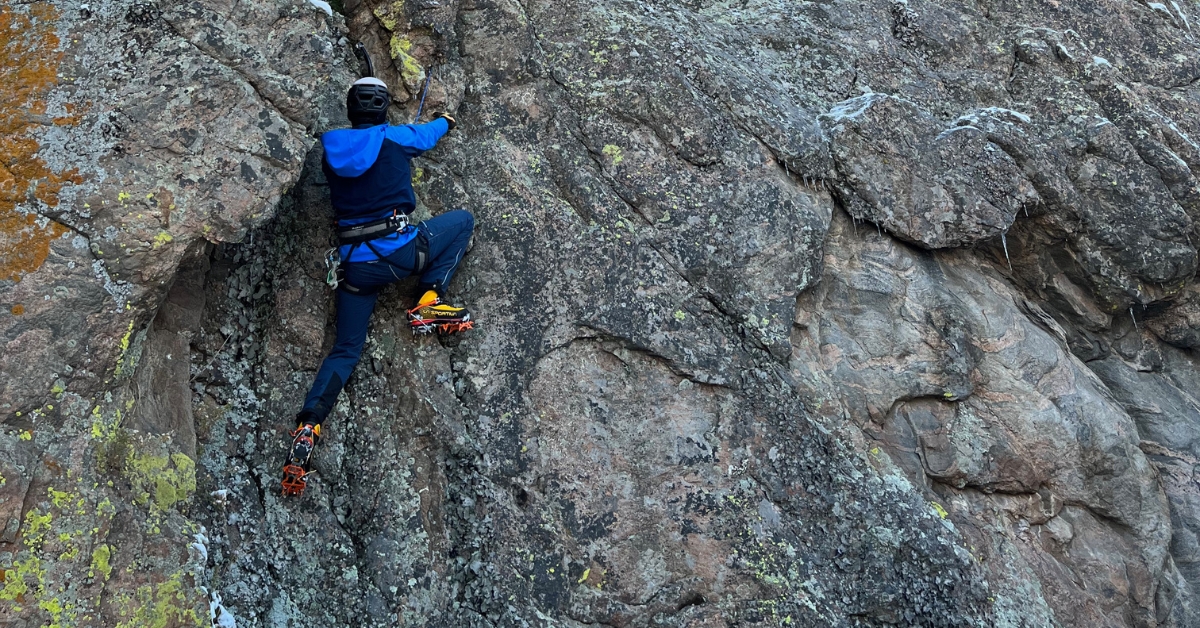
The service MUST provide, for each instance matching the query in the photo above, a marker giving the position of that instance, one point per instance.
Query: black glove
(449, 120)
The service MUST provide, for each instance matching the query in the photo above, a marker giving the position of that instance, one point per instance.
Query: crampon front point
(296, 467)
(294, 480)
(423, 327)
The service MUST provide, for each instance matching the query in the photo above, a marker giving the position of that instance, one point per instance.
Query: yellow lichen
(50, 552)
(35, 528)
(162, 238)
(72, 551)
(58, 612)
(124, 347)
(60, 499)
(410, 69)
(16, 580)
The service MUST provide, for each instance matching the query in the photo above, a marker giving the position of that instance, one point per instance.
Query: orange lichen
(18, 309)
(29, 60)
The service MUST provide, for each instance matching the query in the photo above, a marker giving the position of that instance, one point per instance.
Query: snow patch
(322, 5)
(1156, 6)
(954, 129)
(1002, 112)
(1183, 16)
(218, 614)
(855, 107)
(993, 113)
(200, 545)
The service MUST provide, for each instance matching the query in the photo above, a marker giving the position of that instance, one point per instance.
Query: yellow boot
(432, 314)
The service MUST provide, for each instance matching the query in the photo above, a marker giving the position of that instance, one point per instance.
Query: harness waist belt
(421, 262)
(373, 230)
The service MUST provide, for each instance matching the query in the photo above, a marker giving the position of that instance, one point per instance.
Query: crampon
(432, 314)
(296, 467)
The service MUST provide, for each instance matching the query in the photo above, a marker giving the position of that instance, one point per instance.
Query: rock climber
(370, 186)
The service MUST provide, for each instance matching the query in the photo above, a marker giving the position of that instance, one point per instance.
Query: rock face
(705, 391)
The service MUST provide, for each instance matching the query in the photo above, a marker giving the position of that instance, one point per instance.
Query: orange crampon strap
(294, 480)
(316, 429)
(425, 326)
(450, 328)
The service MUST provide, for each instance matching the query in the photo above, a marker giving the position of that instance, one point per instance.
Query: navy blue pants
(447, 235)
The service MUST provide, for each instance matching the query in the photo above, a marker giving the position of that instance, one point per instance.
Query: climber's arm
(418, 138)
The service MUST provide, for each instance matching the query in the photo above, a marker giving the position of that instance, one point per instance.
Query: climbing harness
(360, 234)
(363, 234)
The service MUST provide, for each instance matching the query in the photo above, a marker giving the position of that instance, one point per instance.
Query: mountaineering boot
(432, 314)
(296, 468)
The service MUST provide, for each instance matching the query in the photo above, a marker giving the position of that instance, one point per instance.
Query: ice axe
(364, 57)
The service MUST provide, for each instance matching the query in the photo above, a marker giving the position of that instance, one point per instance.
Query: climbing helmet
(367, 101)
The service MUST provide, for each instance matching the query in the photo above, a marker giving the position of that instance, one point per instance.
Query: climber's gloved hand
(449, 120)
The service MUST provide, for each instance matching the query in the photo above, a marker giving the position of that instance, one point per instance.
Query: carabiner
(332, 261)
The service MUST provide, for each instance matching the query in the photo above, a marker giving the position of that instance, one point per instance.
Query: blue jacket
(370, 177)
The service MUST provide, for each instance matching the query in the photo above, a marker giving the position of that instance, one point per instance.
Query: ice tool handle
(360, 51)
(424, 93)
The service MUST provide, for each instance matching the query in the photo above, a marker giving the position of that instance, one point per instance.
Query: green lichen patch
(130, 345)
(112, 447)
(101, 561)
(162, 238)
(168, 603)
(67, 500)
(122, 366)
(17, 579)
(160, 481)
(37, 524)
(614, 153)
(53, 538)
(390, 14)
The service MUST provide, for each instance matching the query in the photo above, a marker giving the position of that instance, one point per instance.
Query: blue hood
(350, 152)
